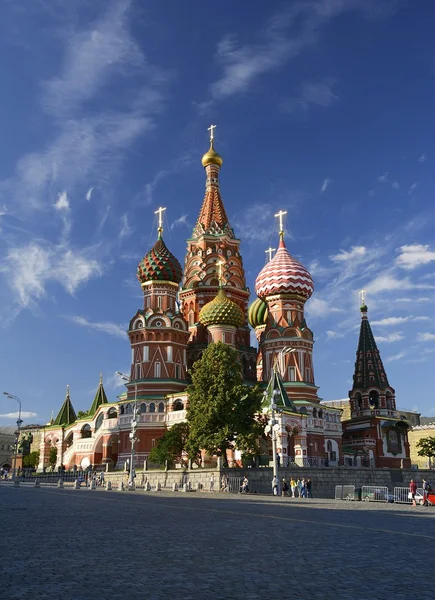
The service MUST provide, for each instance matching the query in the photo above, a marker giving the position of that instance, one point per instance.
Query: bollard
(37, 484)
(60, 483)
(76, 485)
(16, 483)
(175, 487)
(148, 486)
(122, 487)
(159, 487)
(185, 488)
(93, 485)
(189, 486)
(108, 485)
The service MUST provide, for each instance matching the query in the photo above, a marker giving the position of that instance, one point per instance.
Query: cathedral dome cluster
(221, 311)
(159, 265)
(284, 275)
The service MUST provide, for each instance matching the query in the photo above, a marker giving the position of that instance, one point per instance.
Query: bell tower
(212, 242)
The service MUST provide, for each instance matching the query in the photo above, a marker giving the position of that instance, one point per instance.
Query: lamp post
(132, 434)
(19, 423)
(272, 428)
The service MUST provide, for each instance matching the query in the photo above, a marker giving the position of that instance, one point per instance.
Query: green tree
(52, 456)
(169, 449)
(222, 408)
(82, 414)
(31, 460)
(426, 447)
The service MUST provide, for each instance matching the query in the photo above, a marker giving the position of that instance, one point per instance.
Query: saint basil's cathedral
(183, 311)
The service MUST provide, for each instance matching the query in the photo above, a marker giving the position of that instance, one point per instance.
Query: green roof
(369, 370)
(67, 414)
(100, 398)
(282, 399)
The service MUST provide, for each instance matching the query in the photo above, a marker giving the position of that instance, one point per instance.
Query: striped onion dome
(159, 265)
(221, 311)
(284, 275)
(257, 313)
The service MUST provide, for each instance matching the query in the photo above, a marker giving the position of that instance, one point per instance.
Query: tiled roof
(212, 210)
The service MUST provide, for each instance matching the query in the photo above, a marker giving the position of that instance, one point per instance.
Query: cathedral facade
(185, 309)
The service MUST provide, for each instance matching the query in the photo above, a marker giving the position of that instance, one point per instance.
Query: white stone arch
(165, 321)
(138, 323)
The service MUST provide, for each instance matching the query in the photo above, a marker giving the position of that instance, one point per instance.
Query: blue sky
(324, 108)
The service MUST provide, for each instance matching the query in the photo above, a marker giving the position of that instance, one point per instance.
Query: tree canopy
(222, 407)
(170, 447)
(426, 447)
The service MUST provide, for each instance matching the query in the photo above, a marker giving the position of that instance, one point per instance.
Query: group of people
(427, 488)
(294, 488)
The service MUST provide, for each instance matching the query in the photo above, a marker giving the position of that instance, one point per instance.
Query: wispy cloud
(330, 334)
(62, 202)
(356, 252)
(414, 255)
(422, 158)
(180, 221)
(312, 93)
(390, 338)
(412, 188)
(383, 178)
(109, 328)
(287, 34)
(125, 227)
(395, 357)
(146, 194)
(115, 381)
(387, 281)
(316, 307)
(89, 194)
(393, 321)
(14, 415)
(426, 337)
(325, 185)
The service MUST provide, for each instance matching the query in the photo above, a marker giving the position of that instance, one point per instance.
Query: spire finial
(269, 253)
(219, 270)
(160, 212)
(211, 130)
(101, 378)
(280, 216)
(67, 391)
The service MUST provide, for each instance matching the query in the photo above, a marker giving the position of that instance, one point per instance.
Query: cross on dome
(160, 212)
(211, 130)
(269, 252)
(280, 216)
(219, 270)
(362, 295)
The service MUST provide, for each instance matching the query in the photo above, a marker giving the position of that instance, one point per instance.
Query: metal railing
(346, 492)
(402, 495)
(375, 493)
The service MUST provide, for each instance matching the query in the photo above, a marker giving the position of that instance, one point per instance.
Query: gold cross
(160, 211)
(281, 223)
(219, 267)
(269, 252)
(211, 130)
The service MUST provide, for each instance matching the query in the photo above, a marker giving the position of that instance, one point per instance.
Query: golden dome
(212, 157)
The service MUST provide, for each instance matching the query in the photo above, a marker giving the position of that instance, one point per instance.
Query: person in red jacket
(413, 491)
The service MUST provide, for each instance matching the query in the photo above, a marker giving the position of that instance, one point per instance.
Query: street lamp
(272, 424)
(19, 423)
(132, 435)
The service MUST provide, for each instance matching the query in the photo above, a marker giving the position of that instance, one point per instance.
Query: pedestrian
(245, 486)
(303, 488)
(275, 486)
(211, 483)
(299, 486)
(293, 486)
(413, 491)
(309, 488)
(284, 487)
(426, 489)
(224, 484)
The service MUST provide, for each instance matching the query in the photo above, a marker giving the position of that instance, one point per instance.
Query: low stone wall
(168, 478)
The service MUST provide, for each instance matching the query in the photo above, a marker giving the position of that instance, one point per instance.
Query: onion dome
(257, 313)
(221, 311)
(159, 265)
(212, 157)
(284, 275)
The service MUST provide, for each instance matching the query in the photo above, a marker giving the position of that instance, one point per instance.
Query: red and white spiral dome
(284, 275)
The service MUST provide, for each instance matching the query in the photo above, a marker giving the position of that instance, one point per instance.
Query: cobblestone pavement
(83, 545)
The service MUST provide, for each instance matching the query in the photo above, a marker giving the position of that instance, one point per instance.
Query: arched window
(389, 401)
(178, 405)
(128, 409)
(99, 421)
(303, 410)
(86, 431)
(111, 413)
(329, 446)
(358, 401)
(152, 407)
(122, 409)
(320, 414)
(143, 407)
(374, 399)
(161, 407)
(314, 413)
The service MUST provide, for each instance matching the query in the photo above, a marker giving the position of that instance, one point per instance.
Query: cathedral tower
(283, 286)
(213, 241)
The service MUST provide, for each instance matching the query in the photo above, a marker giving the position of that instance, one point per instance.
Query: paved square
(83, 545)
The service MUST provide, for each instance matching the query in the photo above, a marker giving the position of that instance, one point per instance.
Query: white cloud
(89, 194)
(390, 338)
(395, 185)
(426, 337)
(3, 210)
(125, 227)
(326, 183)
(62, 202)
(312, 93)
(15, 415)
(413, 187)
(109, 328)
(333, 334)
(422, 158)
(316, 307)
(356, 252)
(29, 269)
(180, 221)
(115, 381)
(383, 178)
(392, 321)
(413, 300)
(395, 357)
(386, 282)
(415, 255)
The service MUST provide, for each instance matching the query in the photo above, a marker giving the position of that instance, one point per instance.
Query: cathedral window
(99, 421)
(143, 407)
(320, 414)
(138, 371)
(159, 301)
(177, 371)
(307, 374)
(292, 374)
(169, 353)
(157, 370)
(128, 409)
(178, 405)
(86, 431)
(161, 407)
(146, 354)
(152, 407)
